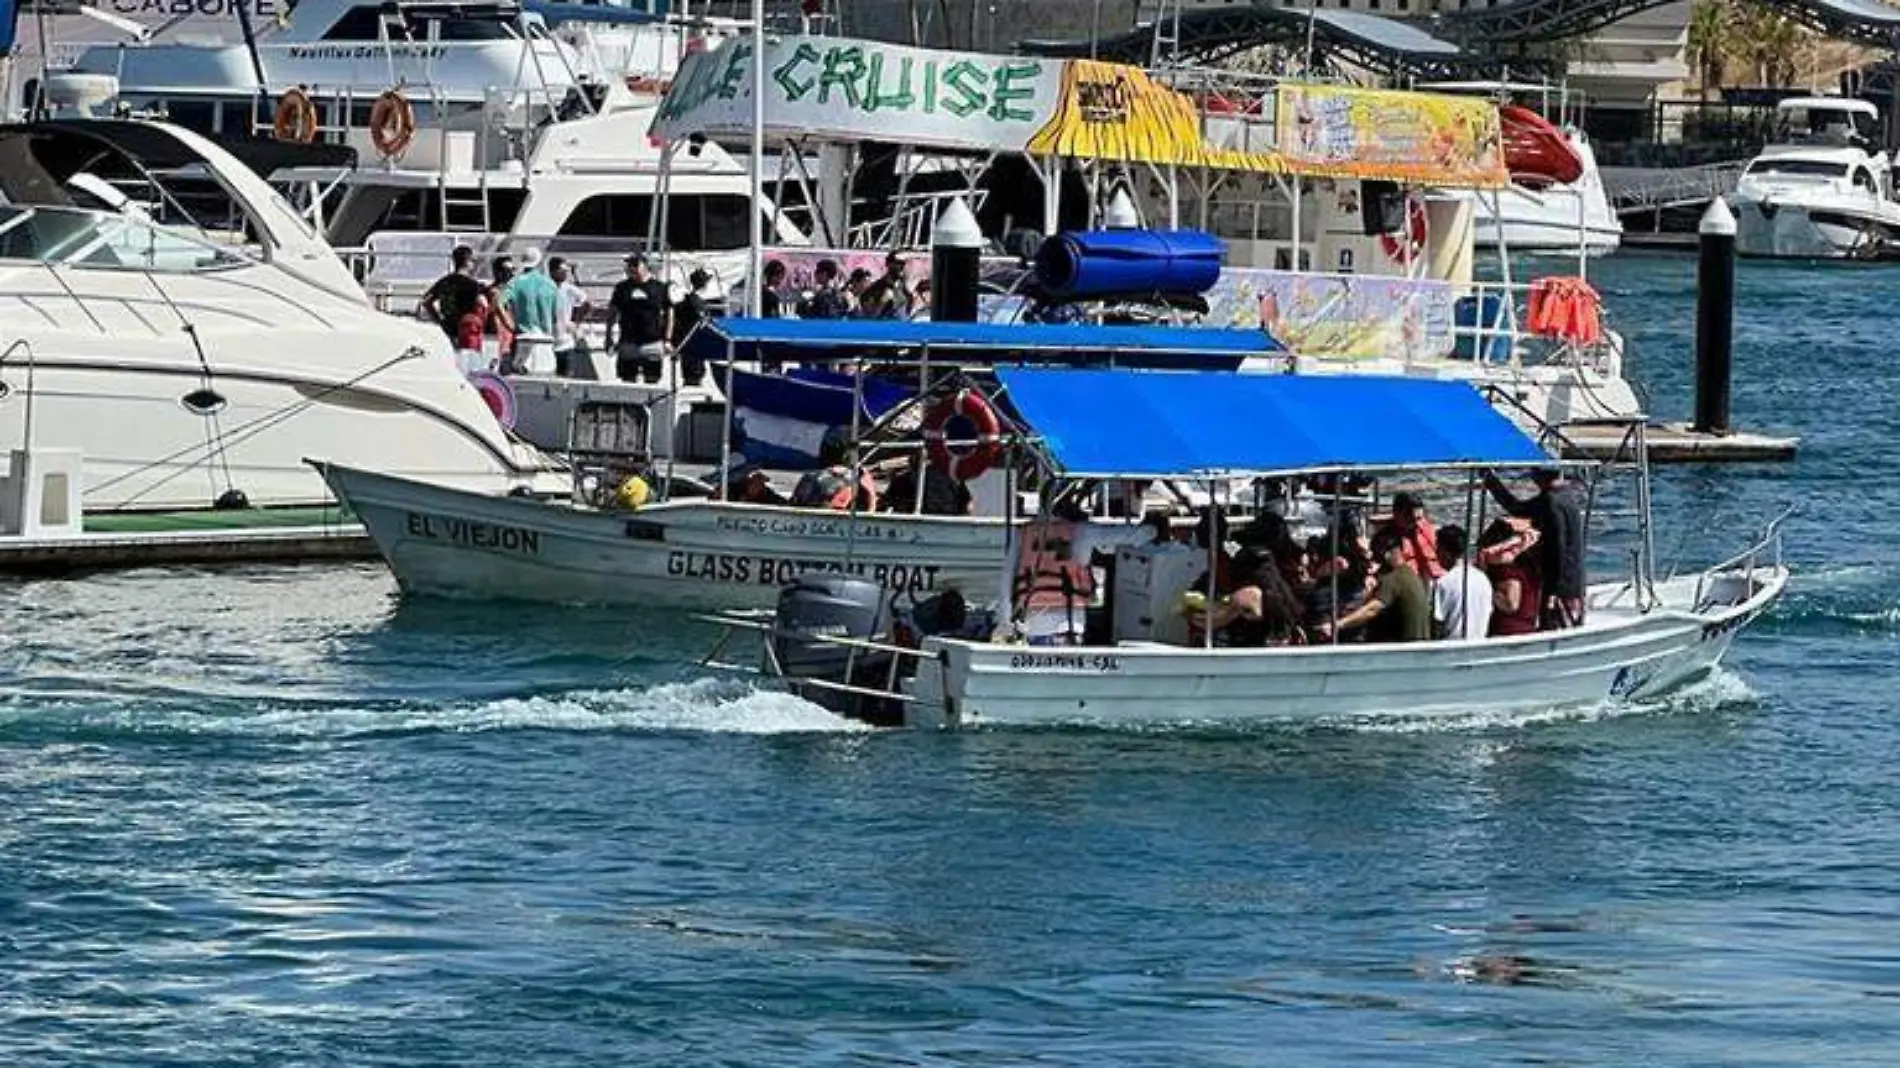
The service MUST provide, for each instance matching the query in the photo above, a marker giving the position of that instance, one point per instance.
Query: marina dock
(111, 542)
(1676, 443)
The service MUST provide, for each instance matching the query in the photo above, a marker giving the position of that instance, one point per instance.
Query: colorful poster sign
(1339, 316)
(1344, 132)
(850, 90)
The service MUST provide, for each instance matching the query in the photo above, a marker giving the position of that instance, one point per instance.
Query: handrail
(1748, 559)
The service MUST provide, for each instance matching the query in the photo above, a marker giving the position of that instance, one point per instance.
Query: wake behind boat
(1634, 639)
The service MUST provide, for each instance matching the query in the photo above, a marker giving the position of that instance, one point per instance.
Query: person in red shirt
(1418, 539)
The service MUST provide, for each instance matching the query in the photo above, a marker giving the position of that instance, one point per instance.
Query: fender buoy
(1407, 245)
(296, 118)
(969, 462)
(392, 124)
(497, 394)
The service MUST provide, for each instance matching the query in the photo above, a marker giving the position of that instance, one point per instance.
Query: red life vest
(1046, 577)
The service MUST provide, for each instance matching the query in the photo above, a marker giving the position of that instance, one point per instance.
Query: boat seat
(607, 440)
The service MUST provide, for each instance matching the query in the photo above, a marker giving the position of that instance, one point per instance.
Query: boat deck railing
(856, 650)
(1764, 553)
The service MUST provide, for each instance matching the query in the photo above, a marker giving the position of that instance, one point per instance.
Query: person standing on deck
(501, 272)
(642, 309)
(568, 351)
(533, 301)
(1556, 514)
(454, 294)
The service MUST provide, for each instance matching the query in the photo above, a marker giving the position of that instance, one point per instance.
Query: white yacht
(342, 54)
(189, 369)
(527, 124)
(1539, 213)
(1554, 217)
(1820, 189)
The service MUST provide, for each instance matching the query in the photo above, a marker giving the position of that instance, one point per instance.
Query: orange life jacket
(1046, 577)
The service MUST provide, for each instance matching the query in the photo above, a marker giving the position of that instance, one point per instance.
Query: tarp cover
(1154, 424)
(813, 340)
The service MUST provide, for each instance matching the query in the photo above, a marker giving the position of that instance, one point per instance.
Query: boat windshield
(1823, 125)
(76, 237)
(1814, 168)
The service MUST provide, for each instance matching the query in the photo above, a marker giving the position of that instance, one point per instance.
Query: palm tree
(1713, 38)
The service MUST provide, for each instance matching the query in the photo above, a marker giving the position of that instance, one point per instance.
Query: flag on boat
(781, 420)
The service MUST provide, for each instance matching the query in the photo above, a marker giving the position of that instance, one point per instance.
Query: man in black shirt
(643, 312)
(1557, 513)
(943, 495)
(454, 294)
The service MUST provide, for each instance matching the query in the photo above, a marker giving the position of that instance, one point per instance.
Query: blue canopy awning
(1148, 424)
(818, 340)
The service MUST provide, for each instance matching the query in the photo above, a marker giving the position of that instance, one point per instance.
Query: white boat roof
(1828, 103)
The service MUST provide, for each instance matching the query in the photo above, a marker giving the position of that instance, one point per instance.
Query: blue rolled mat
(1098, 263)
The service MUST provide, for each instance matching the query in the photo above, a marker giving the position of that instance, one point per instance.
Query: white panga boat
(716, 554)
(1642, 637)
(1821, 189)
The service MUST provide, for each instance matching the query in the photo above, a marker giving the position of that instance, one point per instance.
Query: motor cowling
(827, 606)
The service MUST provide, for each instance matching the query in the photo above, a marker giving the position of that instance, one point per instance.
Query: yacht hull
(145, 447)
(1772, 229)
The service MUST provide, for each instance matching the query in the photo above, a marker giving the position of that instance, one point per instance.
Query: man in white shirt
(1461, 597)
(570, 304)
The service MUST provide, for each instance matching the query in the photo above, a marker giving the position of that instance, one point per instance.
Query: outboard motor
(836, 606)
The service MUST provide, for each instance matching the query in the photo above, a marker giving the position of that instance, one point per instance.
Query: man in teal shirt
(534, 300)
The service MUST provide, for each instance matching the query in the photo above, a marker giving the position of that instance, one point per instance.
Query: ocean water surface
(276, 817)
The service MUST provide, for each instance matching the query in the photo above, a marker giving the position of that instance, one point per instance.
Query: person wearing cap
(1556, 513)
(1399, 609)
(890, 295)
(534, 302)
(642, 320)
(703, 302)
(1418, 540)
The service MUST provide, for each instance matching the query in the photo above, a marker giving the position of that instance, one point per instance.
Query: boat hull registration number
(1097, 662)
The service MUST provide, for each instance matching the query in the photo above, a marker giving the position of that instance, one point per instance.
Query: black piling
(956, 253)
(1714, 318)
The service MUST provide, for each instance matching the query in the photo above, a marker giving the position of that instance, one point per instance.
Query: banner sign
(1383, 134)
(858, 90)
(1339, 316)
(850, 90)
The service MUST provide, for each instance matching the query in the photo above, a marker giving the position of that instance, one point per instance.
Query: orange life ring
(392, 124)
(296, 118)
(966, 464)
(1409, 244)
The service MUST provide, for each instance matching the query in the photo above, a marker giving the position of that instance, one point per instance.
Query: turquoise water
(275, 818)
